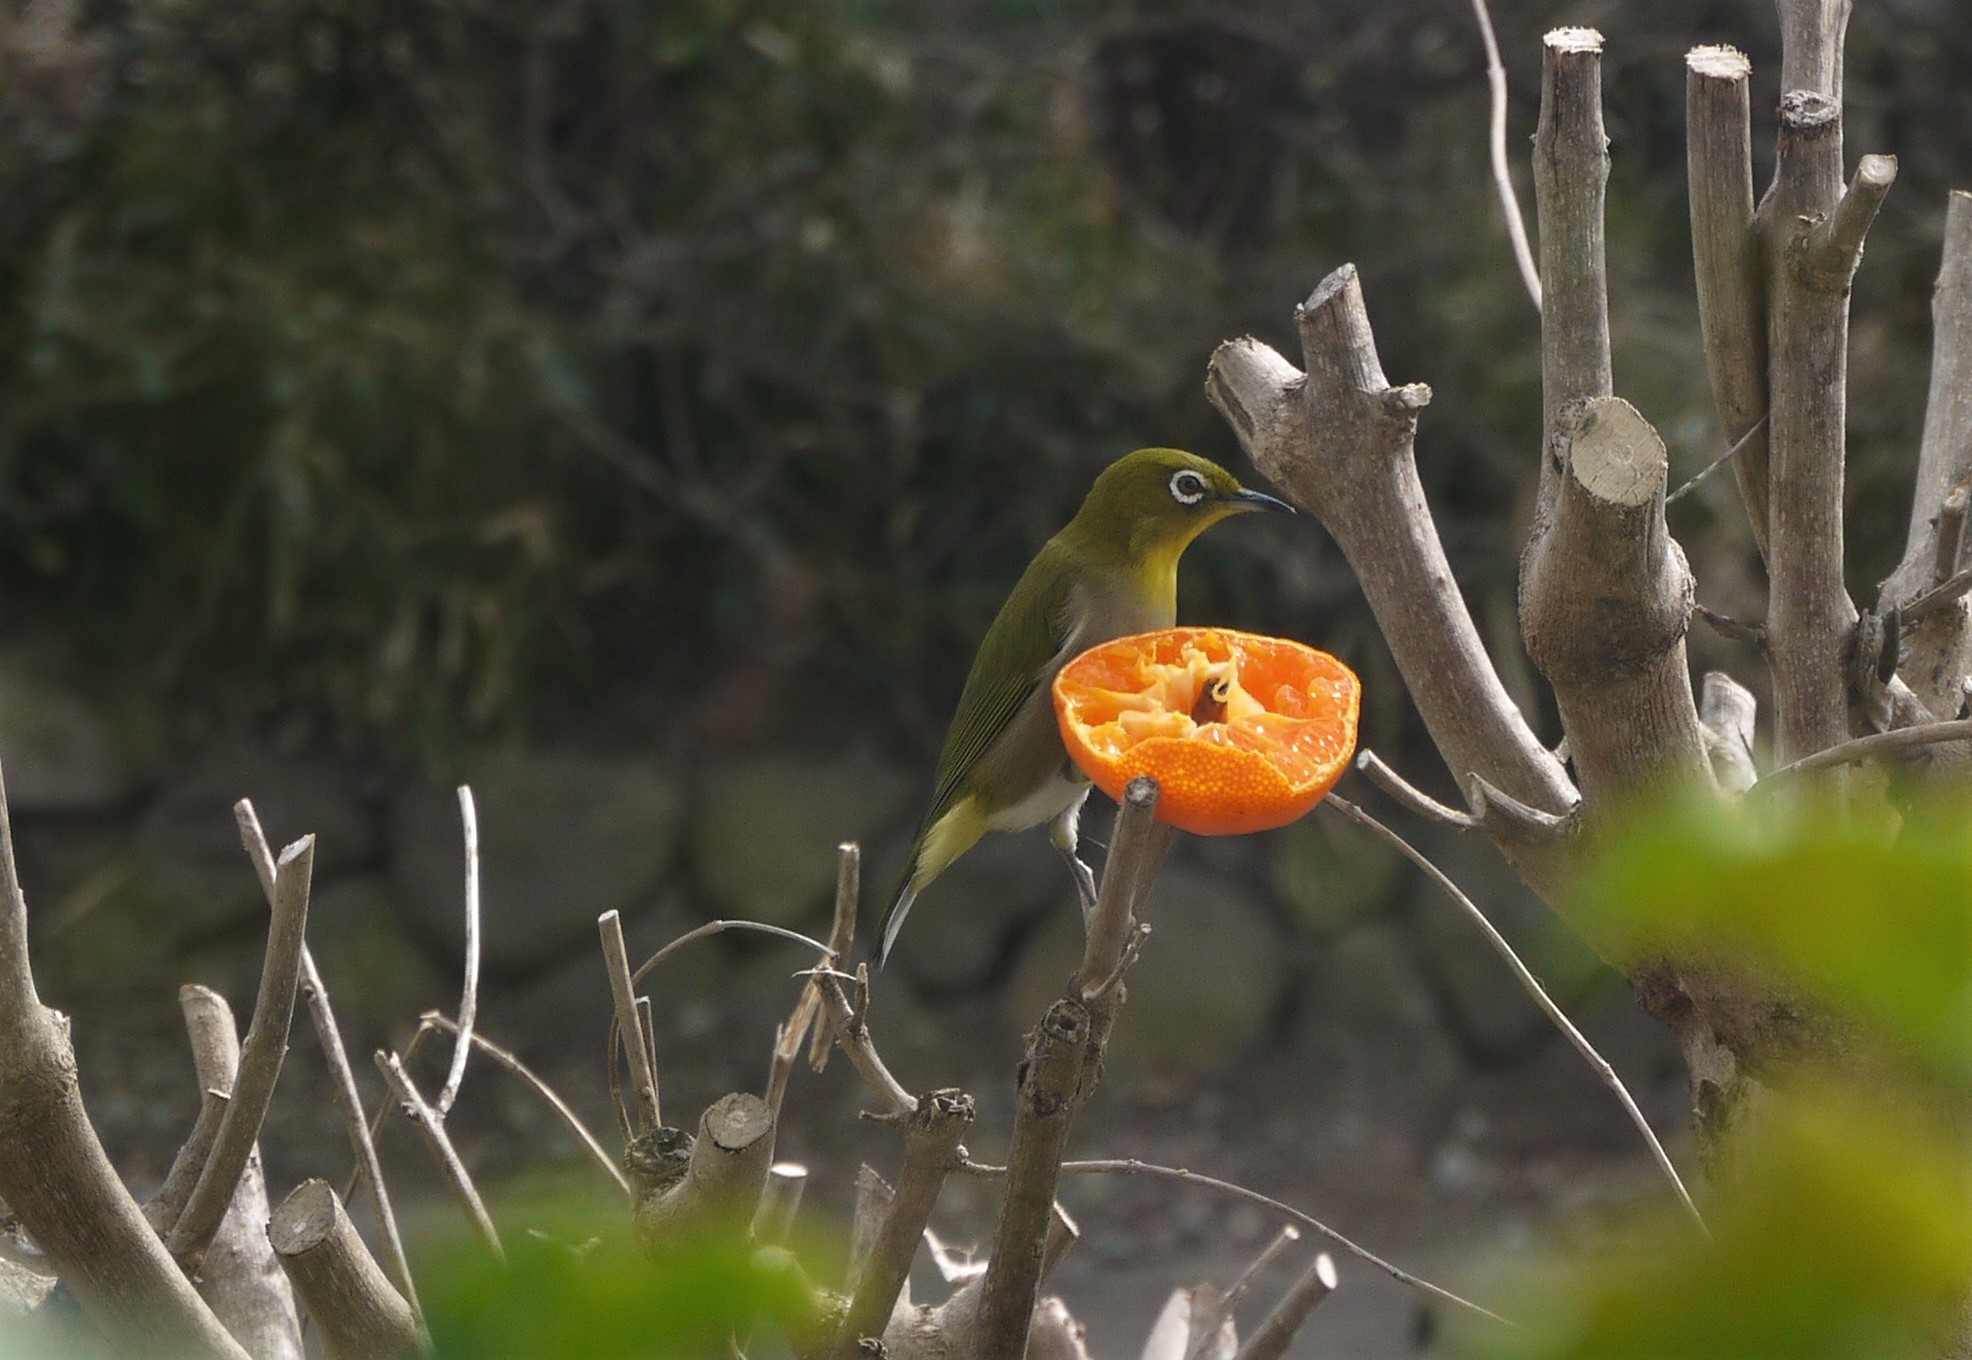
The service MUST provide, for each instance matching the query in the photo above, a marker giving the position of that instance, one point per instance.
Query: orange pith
(1242, 732)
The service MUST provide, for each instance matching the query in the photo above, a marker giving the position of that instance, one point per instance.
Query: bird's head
(1153, 502)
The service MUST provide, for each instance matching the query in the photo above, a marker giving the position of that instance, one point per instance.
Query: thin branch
(1135, 848)
(1412, 797)
(1207, 1322)
(169, 1201)
(260, 1055)
(622, 988)
(692, 936)
(1731, 629)
(1532, 986)
(469, 991)
(1130, 1166)
(1690, 484)
(509, 1060)
(1516, 226)
(711, 928)
(1939, 598)
(1875, 746)
(842, 931)
(349, 1101)
(1273, 1336)
(433, 1127)
(842, 938)
(854, 1037)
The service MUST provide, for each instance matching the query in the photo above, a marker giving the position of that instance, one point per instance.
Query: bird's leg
(1063, 835)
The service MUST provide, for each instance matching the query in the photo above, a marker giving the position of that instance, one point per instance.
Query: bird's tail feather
(893, 922)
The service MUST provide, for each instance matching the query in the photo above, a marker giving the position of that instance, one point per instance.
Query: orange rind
(1242, 732)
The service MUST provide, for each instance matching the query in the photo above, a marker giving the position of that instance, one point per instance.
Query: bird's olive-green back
(1112, 570)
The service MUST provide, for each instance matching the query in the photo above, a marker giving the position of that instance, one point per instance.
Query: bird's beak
(1244, 500)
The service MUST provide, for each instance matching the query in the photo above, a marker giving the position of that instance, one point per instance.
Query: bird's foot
(1085, 884)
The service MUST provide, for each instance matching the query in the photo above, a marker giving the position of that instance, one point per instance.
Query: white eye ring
(1187, 487)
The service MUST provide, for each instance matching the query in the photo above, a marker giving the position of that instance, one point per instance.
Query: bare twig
(1752, 634)
(1271, 1339)
(1136, 848)
(1516, 226)
(842, 937)
(349, 1101)
(692, 936)
(854, 1036)
(571, 1121)
(842, 931)
(1532, 986)
(1412, 797)
(622, 987)
(260, 1055)
(1938, 598)
(432, 1126)
(169, 1201)
(1690, 484)
(931, 1133)
(1130, 1166)
(1875, 746)
(469, 991)
(1211, 1317)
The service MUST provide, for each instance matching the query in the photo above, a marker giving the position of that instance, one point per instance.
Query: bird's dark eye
(1187, 488)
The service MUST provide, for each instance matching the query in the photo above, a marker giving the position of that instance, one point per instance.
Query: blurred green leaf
(575, 1285)
(1880, 927)
(1848, 1235)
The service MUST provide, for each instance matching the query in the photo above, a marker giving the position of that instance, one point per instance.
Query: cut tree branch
(723, 1178)
(260, 1055)
(932, 1132)
(57, 1181)
(1725, 251)
(238, 1274)
(1064, 1060)
(1813, 239)
(361, 1317)
(1605, 596)
(1339, 441)
(349, 1100)
(1944, 455)
(1571, 173)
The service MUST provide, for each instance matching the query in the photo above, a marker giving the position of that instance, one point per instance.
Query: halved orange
(1242, 732)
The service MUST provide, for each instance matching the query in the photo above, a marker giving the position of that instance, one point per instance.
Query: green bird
(1111, 572)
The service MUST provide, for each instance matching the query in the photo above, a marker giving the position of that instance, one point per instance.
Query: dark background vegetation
(426, 369)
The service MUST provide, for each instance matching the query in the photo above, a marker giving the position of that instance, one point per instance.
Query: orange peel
(1242, 732)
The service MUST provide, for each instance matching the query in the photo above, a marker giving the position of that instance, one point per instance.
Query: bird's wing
(1032, 631)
